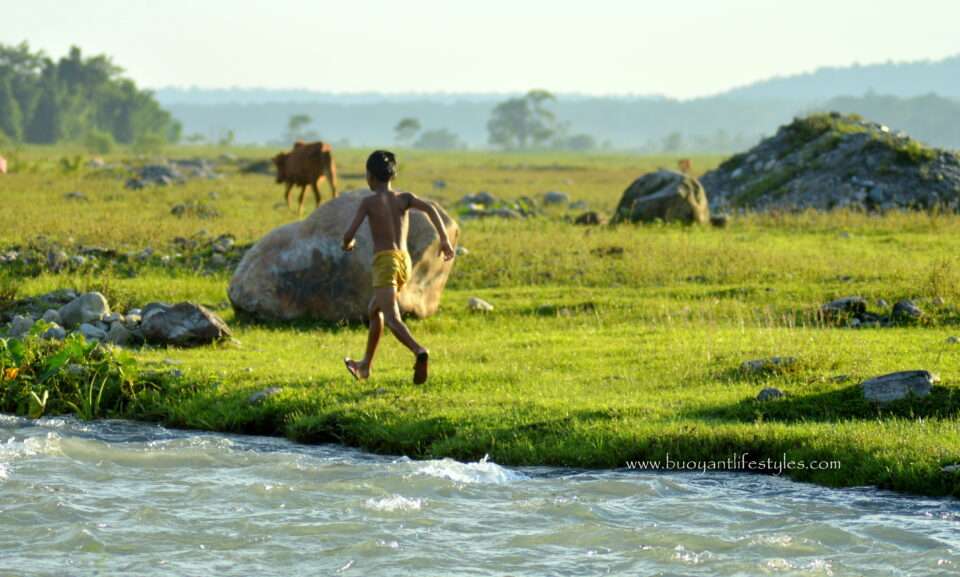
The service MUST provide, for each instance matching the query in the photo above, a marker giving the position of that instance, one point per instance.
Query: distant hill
(724, 123)
(903, 79)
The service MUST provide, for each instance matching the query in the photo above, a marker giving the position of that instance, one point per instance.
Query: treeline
(77, 99)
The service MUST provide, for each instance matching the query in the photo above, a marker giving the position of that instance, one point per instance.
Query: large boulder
(182, 325)
(663, 195)
(300, 270)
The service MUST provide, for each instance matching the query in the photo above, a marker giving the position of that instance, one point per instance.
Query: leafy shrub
(46, 377)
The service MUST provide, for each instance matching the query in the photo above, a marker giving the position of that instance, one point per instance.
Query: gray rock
(769, 394)
(906, 310)
(92, 333)
(555, 197)
(137, 312)
(112, 318)
(590, 218)
(882, 303)
(57, 259)
(666, 196)
(21, 325)
(846, 306)
(482, 198)
(771, 364)
(578, 205)
(260, 396)
(479, 305)
(55, 333)
(86, 308)
(900, 385)
(462, 251)
(218, 260)
(184, 324)
(75, 195)
(119, 335)
(132, 319)
(223, 244)
(77, 260)
(52, 316)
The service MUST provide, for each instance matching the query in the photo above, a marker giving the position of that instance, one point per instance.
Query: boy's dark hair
(382, 164)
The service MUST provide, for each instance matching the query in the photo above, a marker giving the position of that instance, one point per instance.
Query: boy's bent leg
(387, 302)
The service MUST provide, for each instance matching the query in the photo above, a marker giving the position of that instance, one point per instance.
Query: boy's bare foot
(357, 370)
(420, 368)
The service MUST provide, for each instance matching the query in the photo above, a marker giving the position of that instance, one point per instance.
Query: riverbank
(606, 346)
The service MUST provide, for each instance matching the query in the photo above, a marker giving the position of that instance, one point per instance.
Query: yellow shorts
(391, 268)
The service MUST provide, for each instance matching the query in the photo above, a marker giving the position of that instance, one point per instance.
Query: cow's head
(280, 161)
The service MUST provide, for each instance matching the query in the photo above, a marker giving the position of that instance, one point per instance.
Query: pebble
(479, 305)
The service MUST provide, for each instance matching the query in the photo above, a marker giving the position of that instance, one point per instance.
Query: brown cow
(304, 166)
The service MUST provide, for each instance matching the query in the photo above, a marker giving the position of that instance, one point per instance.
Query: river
(121, 498)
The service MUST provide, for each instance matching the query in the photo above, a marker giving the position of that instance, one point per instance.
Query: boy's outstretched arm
(431, 211)
(348, 240)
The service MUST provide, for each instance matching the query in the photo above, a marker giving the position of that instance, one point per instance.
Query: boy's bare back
(387, 213)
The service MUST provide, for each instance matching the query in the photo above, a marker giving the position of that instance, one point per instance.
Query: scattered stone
(844, 307)
(51, 316)
(663, 195)
(112, 318)
(223, 244)
(119, 335)
(55, 333)
(258, 167)
(951, 468)
(92, 333)
(132, 319)
(76, 195)
(462, 251)
(906, 310)
(218, 260)
(77, 260)
(769, 394)
(20, 325)
(578, 205)
(952, 340)
(300, 270)
(900, 385)
(439, 184)
(590, 218)
(883, 304)
(607, 251)
(554, 197)
(184, 324)
(86, 308)
(768, 365)
(939, 301)
(482, 198)
(479, 305)
(57, 259)
(134, 184)
(260, 396)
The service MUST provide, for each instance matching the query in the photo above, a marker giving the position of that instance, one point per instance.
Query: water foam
(483, 471)
(394, 503)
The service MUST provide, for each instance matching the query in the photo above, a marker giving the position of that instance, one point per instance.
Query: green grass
(592, 357)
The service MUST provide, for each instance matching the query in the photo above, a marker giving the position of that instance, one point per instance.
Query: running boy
(386, 211)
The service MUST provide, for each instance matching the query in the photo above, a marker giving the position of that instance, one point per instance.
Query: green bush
(47, 377)
(99, 142)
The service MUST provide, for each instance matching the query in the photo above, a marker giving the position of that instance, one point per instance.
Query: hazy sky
(678, 48)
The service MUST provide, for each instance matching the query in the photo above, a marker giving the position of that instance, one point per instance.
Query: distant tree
(11, 121)
(46, 125)
(673, 143)
(69, 98)
(576, 142)
(295, 126)
(407, 129)
(195, 138)
(441, 139)
(520, 122)
(227, 138)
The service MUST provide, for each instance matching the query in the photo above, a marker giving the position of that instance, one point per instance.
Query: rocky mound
(828, 161)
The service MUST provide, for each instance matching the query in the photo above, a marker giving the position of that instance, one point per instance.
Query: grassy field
(606, 344)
